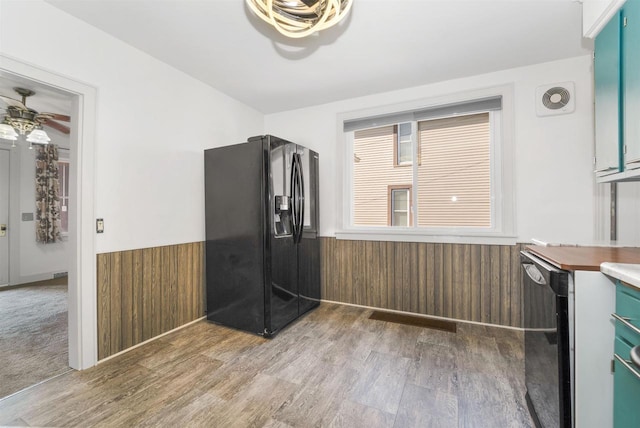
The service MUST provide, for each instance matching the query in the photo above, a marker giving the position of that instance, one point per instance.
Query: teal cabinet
(631, 83)
(617, 96)
(606, 69)
(626, 378)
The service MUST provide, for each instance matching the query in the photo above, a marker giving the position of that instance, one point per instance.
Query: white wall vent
(558, 98)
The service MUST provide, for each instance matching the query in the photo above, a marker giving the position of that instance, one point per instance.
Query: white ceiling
(382, 45)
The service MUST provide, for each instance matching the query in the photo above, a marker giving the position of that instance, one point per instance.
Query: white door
(4, 217)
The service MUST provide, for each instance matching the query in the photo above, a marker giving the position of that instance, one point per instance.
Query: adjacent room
(35, 256)
(329, 213)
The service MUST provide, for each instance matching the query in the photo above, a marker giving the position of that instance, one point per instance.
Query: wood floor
(333, 368)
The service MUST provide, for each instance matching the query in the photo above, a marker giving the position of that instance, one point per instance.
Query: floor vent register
(413, 320)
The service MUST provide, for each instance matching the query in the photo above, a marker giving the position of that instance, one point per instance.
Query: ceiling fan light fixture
(22, 120)
(38, 136)
(7, 132)
(23, 126)
(300, 18)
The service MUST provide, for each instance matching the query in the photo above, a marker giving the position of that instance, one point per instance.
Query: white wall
(153, 123)
(554, 182)
(627, 210)
(30, 261)
(629, 213)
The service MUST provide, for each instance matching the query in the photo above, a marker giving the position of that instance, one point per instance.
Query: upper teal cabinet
(631, 83)
(606, 69)
(617, 96)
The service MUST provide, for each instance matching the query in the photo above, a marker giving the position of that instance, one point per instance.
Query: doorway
(34, 289)
(82, 311)
(29, 260)
(4, 216)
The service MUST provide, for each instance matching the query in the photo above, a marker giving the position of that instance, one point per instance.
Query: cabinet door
(631, 83)
(594, 334)
(607, 98)
(626, 412)
(626, 389)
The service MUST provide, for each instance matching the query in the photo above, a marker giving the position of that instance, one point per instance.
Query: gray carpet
(33, 335)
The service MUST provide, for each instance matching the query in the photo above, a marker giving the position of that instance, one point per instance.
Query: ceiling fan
(24, 119)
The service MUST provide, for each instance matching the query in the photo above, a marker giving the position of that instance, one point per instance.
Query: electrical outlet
(99, 225)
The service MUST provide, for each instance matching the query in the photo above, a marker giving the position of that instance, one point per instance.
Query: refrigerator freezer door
(235, 236)
(282, 282)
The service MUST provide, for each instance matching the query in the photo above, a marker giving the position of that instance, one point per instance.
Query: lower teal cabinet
(626, 388)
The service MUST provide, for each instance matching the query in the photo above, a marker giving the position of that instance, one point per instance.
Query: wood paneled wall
(470, 282)
(144, 293)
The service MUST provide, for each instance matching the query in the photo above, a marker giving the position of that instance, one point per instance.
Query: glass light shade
(38, 136)
(7, 132)
(300, 18)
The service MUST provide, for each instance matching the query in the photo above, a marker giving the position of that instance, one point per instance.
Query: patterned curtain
(47, 194)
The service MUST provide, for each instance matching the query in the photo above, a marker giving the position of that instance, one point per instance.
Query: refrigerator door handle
(301, 196)
(294, 197)
(296, 201)
(292, 192)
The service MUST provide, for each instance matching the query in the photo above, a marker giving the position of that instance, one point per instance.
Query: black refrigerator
(262, 246)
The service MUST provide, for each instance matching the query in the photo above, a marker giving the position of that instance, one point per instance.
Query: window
(63, 179)
(456, 187)
(404, 146)
(454, 181)
(399, 206)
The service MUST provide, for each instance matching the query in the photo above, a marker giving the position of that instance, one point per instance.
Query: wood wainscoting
(144, 293)
(471, 282)
(147, 292)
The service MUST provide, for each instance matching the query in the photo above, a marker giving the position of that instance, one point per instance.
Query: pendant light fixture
(300, 18)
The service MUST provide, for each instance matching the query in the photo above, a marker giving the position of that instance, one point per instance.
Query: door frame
(9, 172)
(83, 348)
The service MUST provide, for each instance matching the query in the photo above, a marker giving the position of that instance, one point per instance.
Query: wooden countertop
(585, 258)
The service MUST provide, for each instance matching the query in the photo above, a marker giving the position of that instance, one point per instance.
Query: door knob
(3, 230)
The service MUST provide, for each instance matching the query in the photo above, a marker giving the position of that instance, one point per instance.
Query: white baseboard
(149, 340)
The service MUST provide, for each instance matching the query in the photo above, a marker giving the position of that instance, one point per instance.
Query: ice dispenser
(282, 216)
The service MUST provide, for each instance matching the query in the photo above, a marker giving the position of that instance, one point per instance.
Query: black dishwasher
(546, 342)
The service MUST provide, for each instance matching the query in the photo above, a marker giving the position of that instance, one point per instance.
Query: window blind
(454, 109)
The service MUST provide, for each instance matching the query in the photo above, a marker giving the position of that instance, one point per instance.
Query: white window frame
(502, 176)
(391, 203)
(396, 155)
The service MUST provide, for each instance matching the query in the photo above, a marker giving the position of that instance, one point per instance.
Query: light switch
(100, 225)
